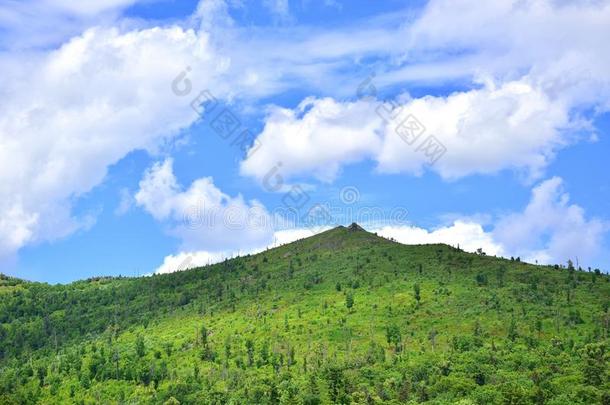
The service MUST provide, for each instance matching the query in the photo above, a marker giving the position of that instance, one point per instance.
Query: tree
(432, 338)
(115, 360)
(539, 327)
(169, 347)
(250, 351)
(477, 329)
(512, 330)
(416, 292)
(140, 346)
(481, 279)
(336, 384)
(228, 348)
(204, 336)
(41, 373)
(291, 355)
(393, 336)
(595, 359)
(349, 301)
(196, 371)
(264, 353)
(500, 275)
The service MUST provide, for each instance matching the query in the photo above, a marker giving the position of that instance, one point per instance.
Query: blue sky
(106, 168)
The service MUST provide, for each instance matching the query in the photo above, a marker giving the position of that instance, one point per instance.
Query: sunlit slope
(342, 317)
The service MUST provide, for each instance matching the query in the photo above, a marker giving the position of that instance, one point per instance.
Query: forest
(342, 317)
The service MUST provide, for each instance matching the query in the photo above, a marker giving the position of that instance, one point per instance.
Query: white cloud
(318, 137)
(189, 260)
(202, 216)
(544, 62)
(81, 108)
(511, 126)
(286, 236)
(561, 44)
(514, 125)
(549, 230)
(470, 236)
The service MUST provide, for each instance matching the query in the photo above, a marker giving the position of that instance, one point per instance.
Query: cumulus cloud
(549, 230)
(202, 215)
(81, 108)
(470, 236)
(535, 67)
(560, 44)
(509, 126)
(188, 260)
(317, 137)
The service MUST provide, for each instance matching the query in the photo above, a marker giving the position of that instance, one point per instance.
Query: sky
(157, 135)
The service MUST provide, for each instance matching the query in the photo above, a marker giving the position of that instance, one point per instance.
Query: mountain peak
(355, 227)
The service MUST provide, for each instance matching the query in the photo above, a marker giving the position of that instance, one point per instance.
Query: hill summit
(355, 227)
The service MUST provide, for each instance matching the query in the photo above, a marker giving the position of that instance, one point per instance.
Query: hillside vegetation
(342, 317)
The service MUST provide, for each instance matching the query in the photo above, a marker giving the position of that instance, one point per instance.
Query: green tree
(41, 372)
(393, 336)
(250, 351)
(204, 336)
(140, 346)
(481, 279)
(349, 301)
(512, 333)
(595, 363)
(336, 385)
(539, 327)
(416, 293)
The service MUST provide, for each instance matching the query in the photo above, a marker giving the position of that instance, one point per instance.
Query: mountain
(344, 316)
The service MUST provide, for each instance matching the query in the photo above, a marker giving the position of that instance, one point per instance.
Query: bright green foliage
(140, 346)
(426, 324)
(393, 336)
(596, 362)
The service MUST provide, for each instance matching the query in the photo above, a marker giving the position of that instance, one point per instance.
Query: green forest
(342, 317)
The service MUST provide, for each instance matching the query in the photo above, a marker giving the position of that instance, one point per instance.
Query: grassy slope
(288, 297)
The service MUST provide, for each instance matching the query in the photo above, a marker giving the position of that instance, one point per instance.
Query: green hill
(342, 317)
